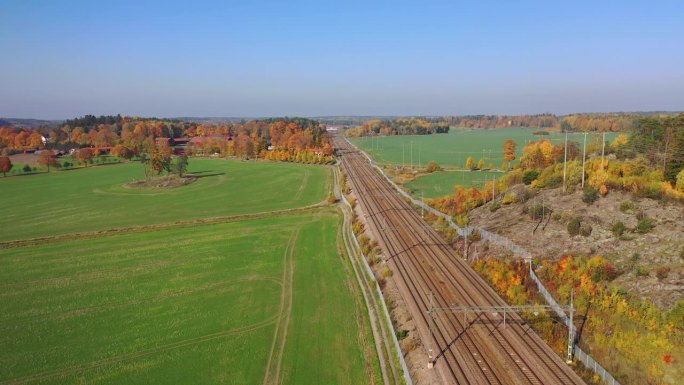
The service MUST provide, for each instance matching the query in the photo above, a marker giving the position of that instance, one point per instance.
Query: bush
(509, 198)
(642, 271)
(626, 206)
(537, 211)
(494, 206)
(433, 166)
(554, 181)
(527, 195)
(26, 168)
(586, 229)
(332, 199)
(574, 226)
(529, 176)
(589, 195)
(618, 228)
(662, 272)
(645, 225)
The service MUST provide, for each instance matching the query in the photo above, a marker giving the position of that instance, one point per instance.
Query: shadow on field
(204, 174)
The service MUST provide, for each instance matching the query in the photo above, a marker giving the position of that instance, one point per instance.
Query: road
(428, 273)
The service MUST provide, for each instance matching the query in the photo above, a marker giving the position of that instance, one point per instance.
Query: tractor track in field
(272, 375)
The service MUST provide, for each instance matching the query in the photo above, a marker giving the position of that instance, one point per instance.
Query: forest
(291, 139)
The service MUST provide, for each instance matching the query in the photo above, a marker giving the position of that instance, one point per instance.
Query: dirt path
(275, 357)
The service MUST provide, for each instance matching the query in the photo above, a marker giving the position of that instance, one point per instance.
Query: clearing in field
(96, 198)
(264, 300)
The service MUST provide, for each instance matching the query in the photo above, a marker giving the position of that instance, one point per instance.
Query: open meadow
(95, 198)
(452, 149)
(259, 300)
(441, 183)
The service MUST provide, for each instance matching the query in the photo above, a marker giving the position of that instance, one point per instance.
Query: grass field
(235, 303)
(442, 183)
(262, 300)
(452, 149)
(95, 198)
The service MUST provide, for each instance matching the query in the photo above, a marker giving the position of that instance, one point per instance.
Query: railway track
(465, 350)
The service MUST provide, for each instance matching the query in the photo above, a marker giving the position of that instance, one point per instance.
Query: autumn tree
(121, 151)
(480, 163)
(469, 163)
(433, 166)
(47, 158)
(5, 164)
(84, 155)
(160, 160)
(509, 150)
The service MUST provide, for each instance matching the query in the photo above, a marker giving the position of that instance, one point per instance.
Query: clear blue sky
(61, 59)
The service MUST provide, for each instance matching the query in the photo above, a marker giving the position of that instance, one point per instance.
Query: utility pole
(411, 155)
(565, 163)
(571, 328)
(431, 314)
(465, 245)
(403, 164)
(603, 150)
(584, 156)
(422, 207)
(419, 148)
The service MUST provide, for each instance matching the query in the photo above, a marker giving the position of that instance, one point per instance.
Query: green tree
(181, 165)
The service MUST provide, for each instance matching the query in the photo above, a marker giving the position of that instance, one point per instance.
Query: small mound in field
(162, 182)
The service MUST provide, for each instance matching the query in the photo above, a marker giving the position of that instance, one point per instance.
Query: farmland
(442, 183)
(95, 198)
(452, 149)
(256, 300)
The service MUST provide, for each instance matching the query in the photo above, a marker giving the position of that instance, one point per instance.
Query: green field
(95, 198)
(253, 301)
(442, 183)
(452, 149)
(186, 305)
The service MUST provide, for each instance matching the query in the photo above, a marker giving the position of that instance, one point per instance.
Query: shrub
(589, 195)
(556, 216)
(642, 271)
(662, 272)
(494, 206)
(332, 199)
(586, 229)
(618, 228)
(626, 206)
(509, 198)
(574, 226)
(26, 168)
(527, 195)
(537, 211)
(401, 334)
(645, 225)
(433, 166)
(554, 181)
(529, 176)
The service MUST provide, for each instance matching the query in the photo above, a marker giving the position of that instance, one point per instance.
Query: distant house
(180, 142)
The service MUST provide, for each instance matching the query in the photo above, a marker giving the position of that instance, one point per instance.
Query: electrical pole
(419, 148)
(584, 156)
(411, 155)
(603, 150)
(565, 163)
(403, 164)
(571, 328)
(431, 313)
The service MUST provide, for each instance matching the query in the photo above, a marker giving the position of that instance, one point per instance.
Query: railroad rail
(429, 274)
